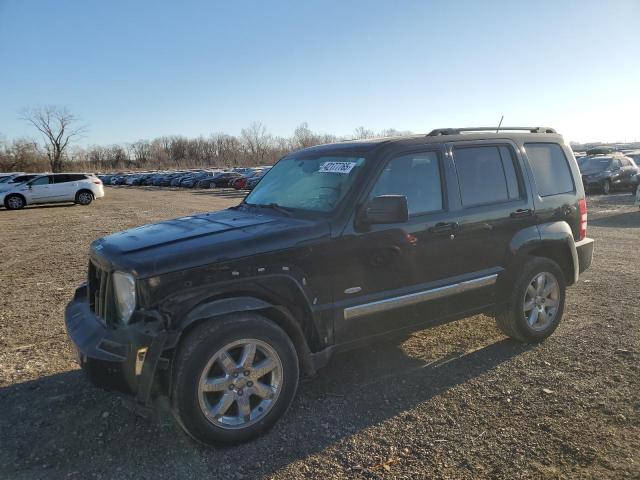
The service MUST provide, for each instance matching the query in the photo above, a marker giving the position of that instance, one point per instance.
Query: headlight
(125, 287)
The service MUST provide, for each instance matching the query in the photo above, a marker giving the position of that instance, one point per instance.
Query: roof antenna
(500, 124)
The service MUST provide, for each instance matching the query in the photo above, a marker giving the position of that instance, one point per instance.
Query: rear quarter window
(550, 168)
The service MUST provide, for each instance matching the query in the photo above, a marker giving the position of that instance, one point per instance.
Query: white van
(81, 188)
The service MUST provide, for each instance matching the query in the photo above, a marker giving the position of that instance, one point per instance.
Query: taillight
(582, 208)
(98, 182)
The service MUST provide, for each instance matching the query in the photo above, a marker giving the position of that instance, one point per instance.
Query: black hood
(197, 240)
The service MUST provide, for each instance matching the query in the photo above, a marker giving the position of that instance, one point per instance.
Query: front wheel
(14, 202)
(234, 378)
(606, 187)
(536, 302)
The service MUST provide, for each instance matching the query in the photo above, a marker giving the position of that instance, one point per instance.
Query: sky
(142, 69)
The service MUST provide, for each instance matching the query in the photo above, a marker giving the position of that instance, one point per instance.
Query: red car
(241, 183)
(238, 183)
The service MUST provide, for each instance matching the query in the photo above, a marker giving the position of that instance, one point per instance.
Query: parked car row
(606, 171)
(18, 190)
(239, 178)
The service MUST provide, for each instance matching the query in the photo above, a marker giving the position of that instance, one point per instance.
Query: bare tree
(56, 124)
(257, 140)
(254, 146)
(303, 137)
(140, 151)
(22, 154)
(361, 133)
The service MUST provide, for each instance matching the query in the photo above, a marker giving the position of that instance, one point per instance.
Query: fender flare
(223, 306)
(551, 234)
(231, 305)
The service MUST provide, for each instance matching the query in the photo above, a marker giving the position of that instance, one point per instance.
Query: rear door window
(61, 178)
(550, 168)
(486, 174)
(68, 177)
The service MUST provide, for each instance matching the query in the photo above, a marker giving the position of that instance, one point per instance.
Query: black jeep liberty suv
(336, 246)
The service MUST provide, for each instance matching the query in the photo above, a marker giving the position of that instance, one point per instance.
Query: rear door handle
(521, 212)
(444, 227)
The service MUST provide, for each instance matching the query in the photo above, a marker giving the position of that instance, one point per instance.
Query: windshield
(22, 178)
(594, 163)
(316, 184)
(5, 178)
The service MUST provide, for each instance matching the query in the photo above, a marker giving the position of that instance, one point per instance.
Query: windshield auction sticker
(336, 167)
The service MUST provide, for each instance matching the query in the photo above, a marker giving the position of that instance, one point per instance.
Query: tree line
(59, 129)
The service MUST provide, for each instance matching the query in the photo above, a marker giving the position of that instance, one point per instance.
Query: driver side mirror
(384, 209)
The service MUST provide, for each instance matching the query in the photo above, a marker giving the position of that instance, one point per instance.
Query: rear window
(550, 168)
(486, 175)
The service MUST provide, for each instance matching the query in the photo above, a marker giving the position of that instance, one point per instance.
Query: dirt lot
(458, 401)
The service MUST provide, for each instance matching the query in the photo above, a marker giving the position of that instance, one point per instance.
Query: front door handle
(444, 227)
(521, 212)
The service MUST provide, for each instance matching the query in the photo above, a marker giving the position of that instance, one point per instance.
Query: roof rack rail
(456, 131)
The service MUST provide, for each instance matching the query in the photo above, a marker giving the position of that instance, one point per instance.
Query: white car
(5, 177)
(11, 181)
(81, 188)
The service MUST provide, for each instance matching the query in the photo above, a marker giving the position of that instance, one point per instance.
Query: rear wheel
(536, 302)
(14, 202)
(235, 378)
(84, 197)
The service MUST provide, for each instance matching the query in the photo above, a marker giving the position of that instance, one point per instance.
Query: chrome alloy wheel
(240, 384)
(541, 301)
(15, 202)
(85, 198)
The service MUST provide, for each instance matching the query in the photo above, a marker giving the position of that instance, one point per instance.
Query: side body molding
(418, 297)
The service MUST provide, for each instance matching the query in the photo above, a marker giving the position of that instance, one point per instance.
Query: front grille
(100, 292)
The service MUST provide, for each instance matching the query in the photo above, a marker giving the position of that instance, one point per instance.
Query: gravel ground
(456, 401)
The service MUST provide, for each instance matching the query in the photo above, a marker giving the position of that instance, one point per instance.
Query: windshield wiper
(273, 206)
(276, 207)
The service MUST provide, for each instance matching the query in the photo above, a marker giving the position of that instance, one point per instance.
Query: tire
(14, 202)
(84, 197)
(212, 354)
(516, 320)
(606, 187)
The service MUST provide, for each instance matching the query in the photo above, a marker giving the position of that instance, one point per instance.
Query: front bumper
(108, 355)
